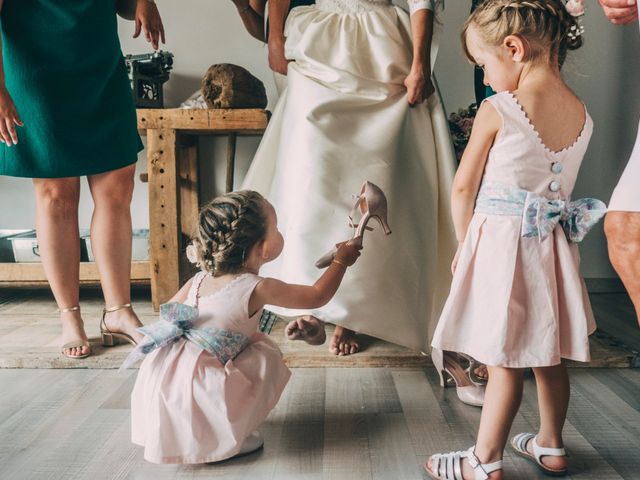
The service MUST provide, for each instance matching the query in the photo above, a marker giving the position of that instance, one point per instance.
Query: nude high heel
(109, 338)
(372, 202)
(451, 372)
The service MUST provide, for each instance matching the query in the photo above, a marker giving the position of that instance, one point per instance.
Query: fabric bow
(541, 216)
(176, 321)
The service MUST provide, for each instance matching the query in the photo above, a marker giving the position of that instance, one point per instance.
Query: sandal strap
(520, 441)
(75, 308)
(448, 466)
(74, 344)
(105, 310)
(540, 452)
(116, 308)
(481, 470)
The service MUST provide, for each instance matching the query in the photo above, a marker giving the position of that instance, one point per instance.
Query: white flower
(192, 254)
(575, 7)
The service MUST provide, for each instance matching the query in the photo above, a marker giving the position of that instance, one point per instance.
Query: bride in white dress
(356, 109)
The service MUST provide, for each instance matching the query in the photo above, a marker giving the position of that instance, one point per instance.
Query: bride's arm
(278, 11)
(418, 82)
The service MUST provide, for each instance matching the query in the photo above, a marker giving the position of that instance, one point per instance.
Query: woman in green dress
(66, 111)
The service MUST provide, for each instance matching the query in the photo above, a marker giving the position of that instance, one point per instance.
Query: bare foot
(467, 471)
(124, 321)
(555, 463)
(307, 328)
(344, 342)
(72, 331)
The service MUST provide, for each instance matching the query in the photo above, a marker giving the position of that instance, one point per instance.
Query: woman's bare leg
(623, 237)
(59, 245)
(111, 244)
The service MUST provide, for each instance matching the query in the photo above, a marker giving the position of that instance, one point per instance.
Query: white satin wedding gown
(344, 119)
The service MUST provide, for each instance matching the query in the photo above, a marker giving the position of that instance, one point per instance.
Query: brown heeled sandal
(109, 338)
(74, 343)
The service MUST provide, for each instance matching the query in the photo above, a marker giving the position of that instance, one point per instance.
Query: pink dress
(517, 298)
(187, 405)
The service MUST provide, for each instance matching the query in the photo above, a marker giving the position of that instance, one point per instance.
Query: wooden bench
(172, 160)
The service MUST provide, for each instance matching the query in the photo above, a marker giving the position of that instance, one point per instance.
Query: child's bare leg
(307, 328)
(553, 402)
(344, 342)
(501, 402)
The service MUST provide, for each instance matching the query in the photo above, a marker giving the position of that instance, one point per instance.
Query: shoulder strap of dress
(249, 285)
(192, 298)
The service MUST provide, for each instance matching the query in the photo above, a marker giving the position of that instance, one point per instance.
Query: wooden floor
(342, 423)
(30, 331)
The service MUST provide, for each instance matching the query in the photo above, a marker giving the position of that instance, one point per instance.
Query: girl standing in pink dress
(209, 378)
(517, 299)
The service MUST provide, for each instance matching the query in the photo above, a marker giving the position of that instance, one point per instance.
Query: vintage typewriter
(147, 73)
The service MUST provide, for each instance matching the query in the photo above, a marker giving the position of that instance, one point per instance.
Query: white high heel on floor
(448, 466)
(452, 372)
(252, 443)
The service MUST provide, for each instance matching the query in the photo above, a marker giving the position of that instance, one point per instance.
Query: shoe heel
(384, 223)
(108, 340)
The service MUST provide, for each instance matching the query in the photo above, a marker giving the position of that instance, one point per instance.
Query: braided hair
(546, 26)
(229, 227)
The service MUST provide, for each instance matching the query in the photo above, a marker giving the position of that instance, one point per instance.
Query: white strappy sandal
(519, 445)
(448, 466)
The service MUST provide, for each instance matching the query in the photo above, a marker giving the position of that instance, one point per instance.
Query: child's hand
(348, 252)
(9, 118)
(148, 20)
(456, 257)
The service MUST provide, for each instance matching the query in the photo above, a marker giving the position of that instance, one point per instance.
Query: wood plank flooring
(30, 330)
(331, 423)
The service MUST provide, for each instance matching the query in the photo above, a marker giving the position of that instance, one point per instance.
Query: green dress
(65, 71)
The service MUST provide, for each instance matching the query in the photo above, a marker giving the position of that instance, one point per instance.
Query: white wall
(204, 32)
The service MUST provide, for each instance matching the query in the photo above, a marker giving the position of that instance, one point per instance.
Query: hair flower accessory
(575, 8)
(192, 254)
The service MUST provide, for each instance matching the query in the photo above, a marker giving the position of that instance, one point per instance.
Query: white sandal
(519, 445)
(448, 466)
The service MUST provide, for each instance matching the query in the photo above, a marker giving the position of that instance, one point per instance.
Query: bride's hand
(277, 61)
(419, 86)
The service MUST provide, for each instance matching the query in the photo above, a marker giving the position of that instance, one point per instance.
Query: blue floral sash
(176, 321)
(541, 215)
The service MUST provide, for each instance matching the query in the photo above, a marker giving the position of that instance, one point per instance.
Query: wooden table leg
(164, 214)
(187, 158)
(231, 161)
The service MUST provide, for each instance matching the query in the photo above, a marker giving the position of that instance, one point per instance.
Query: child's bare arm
(274, 292)
(466, 184)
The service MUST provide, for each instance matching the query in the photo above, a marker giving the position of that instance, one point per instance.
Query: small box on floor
(6, 246)
(139, 245)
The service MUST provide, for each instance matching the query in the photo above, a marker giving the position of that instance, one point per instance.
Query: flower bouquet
(460, 124)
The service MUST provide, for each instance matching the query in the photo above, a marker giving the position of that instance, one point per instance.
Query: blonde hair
(229, 227)
(545, 25)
